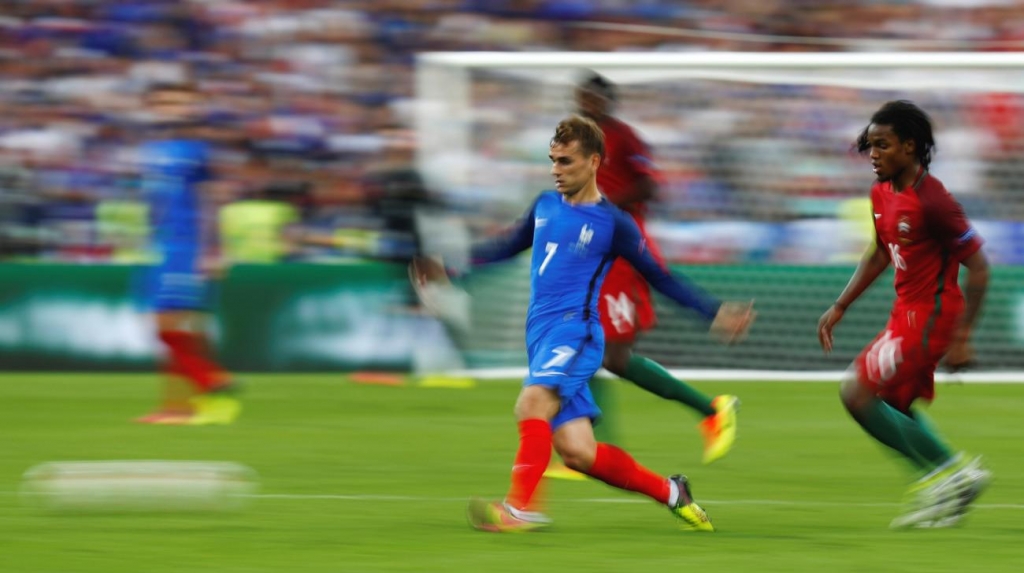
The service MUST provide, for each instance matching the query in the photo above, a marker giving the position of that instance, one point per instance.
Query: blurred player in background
(628, 179)
(923, 233)
(413, 223)
(175, 169)
(576, 234)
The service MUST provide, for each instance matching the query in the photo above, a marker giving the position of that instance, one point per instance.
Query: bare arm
(871, 266)
(961, 354)
(974, 290)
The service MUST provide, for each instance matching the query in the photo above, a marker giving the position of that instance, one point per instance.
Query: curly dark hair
(908, 122)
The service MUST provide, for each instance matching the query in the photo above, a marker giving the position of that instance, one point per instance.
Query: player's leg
(653, 377)
(175, 401)
(948, 490)
(181, 332)
(626, 310)
(535, 408)
(602, 386)
(562, 360)
(215, 398)
(880, 387)
(884, 381)
(574, 441)
(181, 299)
(893, 428)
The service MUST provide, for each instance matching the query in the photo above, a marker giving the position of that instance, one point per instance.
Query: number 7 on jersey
(550, 249)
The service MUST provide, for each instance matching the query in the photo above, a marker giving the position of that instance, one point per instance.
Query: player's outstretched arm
(730, 321)
(508, 244)
(871, 266)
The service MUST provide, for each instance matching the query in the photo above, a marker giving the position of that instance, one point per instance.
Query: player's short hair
(908, 122)
(581, 129)
(598, 84)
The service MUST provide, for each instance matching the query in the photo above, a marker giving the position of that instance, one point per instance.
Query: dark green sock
(604, 394)
(940, 451)
(912, 439)
(652, 377)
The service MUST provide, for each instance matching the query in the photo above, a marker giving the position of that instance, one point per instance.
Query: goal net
(761, 195)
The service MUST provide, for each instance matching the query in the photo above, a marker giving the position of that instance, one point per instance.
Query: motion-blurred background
(325, 134)
(332, 121)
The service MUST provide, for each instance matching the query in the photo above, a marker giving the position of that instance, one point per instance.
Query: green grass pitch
(373, 479)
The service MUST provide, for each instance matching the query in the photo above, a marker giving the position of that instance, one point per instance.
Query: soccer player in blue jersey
(175, 169)
(576, 234)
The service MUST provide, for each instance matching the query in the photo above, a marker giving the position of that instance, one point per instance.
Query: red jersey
(626, 158)
(926, 235)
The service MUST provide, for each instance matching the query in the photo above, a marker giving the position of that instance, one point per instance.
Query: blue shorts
(174, 285)
(565, 358)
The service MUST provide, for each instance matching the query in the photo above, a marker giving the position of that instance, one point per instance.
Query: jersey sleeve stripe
(968, 235)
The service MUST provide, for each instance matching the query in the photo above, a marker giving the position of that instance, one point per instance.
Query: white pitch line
(602, 500)
(612, 500)
(732, 375)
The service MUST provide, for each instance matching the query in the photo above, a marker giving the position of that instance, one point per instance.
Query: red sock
(531, 461)
(617, 468)
(188, 357)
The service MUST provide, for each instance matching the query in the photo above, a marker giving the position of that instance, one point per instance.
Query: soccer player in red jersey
(923, 233)
(628, 179)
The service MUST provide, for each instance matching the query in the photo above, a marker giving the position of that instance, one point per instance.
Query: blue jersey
(172, 173)
(573, 248)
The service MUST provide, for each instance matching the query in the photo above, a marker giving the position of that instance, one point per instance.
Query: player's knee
(577, 457)
(536, 402)
(575, 443)
(852, 393)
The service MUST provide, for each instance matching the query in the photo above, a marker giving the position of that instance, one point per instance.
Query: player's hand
(826, 323)
(960, 355)
(437, 295)
(427, 270)
(733, 321)
(428, 277)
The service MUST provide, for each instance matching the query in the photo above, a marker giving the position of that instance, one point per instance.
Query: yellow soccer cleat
(497, 517)
(719, 429)
(943, 497)
(217, 407)
(558, 470)
(692, 516)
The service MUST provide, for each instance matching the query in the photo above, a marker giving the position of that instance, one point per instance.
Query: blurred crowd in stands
(311, 105)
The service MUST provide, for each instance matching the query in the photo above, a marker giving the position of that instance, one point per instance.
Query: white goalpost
(762, 196)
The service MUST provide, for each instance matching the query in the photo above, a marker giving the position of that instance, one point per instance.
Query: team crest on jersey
(586, 234)
(903, 229)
